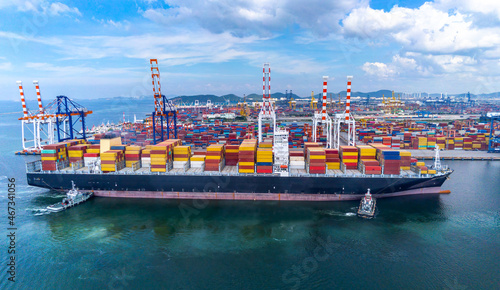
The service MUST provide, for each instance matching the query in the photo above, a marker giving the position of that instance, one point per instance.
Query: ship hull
(238, 187)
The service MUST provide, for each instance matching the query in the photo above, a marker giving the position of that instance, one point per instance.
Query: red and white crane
(323, 119)
(345, 118)
(37, 127)
(267, 110)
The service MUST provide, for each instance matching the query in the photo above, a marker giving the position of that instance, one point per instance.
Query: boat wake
(38, 211)
(336, 213)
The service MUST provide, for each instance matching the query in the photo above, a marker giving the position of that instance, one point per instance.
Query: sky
(101, 49)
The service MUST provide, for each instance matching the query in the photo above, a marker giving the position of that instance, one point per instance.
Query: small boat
(73, 197)
(367, 206)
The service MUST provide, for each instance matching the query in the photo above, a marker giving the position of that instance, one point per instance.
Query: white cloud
(125, 25)
(6, 66)
(485, 7)
(426, 28)
(40, 6)
(243, 18)
(378, 69)
(59, 8)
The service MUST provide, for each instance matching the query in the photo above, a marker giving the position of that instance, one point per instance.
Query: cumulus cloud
(426, 28)
(59, 8)
(381, 70)
(243, 18)
(41, 6)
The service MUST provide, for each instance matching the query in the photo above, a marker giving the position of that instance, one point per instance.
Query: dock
(454, 155)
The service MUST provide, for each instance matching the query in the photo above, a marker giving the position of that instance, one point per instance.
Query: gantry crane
(165, 113)
(314, 102)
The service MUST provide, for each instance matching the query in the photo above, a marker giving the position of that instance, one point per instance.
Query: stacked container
(423, 168)
(182, 154)
(431, 143)
(316, 160)
(459, 143)
(467, 143)
(390, 160)
(422, 143)
(366, 152)
(112, 160)
(160, 156)
(265, 160)
(146, 157)
(349, 157)
(332, 158)
(92, 154)
(396, 143)
(370, 166)
(297, 160)
(232, 155)
(52, 155)
(132, 155)
(441, 142)
(246, 159)
(405, 163)
(76, 152)
(198, 159)
(214, 160)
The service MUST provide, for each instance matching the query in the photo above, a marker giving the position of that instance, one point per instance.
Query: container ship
(250, 170)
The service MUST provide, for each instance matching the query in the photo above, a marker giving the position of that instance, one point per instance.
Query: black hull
(250, 184)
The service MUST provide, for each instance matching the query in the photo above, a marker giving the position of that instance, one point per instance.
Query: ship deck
(233, 170)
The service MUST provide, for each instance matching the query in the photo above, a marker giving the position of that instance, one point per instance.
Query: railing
(34, 166)
(77, 165)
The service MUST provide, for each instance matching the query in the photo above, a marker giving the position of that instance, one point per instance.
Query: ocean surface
(432, 242)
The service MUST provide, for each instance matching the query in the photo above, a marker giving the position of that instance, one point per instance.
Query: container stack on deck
(146, 156)
(160, 155)
(92, 154)
(198, 159)
(389, 159)
(232, 153)
(76, 152)
(246, 159)
(265, 160)
(349, 156)
(132, 155)
(53, 154)
(182, 155)
(405, 163)
(112, 160)
(297, 159)
(215, 157)
(367, 160)
(332, 158)
(316, 160)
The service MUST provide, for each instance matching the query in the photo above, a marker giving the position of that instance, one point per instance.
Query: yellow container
(49, 158)
(75, 153)
(198, 158)
(158, 170)
(181, 159)
(431, 171)
(420, 163)
(246, 171)
(317, 157)
(213, 157)
(246, 163)
(333, 165)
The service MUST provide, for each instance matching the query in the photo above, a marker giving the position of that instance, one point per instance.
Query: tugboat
(73, 197)
(367, 206)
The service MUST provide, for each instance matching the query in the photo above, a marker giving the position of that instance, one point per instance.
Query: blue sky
(93, 49)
